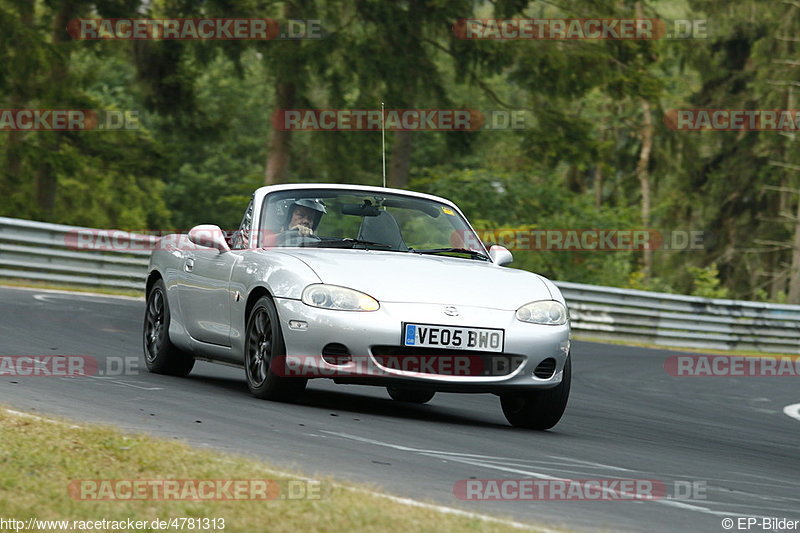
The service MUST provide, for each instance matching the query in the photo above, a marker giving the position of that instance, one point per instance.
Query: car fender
(280, 274)
(555, 292)
(166, 261)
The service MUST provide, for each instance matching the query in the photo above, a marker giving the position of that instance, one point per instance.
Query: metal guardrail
(51, 252)
(686, 321)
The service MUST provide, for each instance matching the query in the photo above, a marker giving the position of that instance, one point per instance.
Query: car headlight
(546, 312)
(338, 298)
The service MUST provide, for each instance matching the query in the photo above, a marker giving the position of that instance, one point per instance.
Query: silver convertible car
(362, 285)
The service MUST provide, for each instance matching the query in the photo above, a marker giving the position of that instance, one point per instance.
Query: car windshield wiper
(472, 253)
(354, 242)
(348, 243)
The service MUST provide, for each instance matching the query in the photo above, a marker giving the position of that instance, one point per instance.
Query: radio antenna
(383, 142)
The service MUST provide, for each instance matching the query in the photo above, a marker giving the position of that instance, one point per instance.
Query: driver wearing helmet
(303, 217)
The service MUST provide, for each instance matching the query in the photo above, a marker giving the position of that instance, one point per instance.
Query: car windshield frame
(389, 202)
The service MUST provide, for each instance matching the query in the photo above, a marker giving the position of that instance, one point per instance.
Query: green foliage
(706, 282)
(640, 281)
(205, 113)
(521, 202)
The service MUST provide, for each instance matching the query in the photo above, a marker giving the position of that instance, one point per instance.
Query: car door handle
(188, 266)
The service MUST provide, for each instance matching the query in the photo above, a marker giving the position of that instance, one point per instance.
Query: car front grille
(444, 362)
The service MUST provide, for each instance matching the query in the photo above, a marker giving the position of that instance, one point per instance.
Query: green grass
(39, 457)
(44, 285)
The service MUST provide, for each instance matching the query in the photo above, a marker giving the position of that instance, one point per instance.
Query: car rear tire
(538, 409)
(160, 355)
(401, 394)
(263, 344)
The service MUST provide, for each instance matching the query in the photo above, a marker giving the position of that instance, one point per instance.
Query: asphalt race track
(627, 418)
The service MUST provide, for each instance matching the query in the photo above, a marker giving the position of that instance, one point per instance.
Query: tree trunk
(18, 100)
(45, 175)
(643, 174)
(14, 154)
(278, 149)
(280, 141)
(598, 186)
(794, 270)
(400, 162)
(597, 177)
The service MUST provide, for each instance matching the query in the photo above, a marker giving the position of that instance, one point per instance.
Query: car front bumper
(308, 330)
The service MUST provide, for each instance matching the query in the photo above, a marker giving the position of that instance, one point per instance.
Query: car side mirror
(500, 255)
(210, 236)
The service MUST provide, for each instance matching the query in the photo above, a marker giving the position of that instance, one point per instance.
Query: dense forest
(597, 148)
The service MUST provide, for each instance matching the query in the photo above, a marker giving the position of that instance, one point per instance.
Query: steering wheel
(292, 237)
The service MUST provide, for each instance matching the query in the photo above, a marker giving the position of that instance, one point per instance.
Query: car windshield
(331, 218)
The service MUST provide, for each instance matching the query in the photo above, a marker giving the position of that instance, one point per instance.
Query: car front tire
(160, 355)
(541, 409)
(264, 348)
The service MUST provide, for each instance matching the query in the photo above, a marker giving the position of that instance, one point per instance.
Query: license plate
(460, 338)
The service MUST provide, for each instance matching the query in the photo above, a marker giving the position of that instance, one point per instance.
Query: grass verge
(39, 457)
(44, 285)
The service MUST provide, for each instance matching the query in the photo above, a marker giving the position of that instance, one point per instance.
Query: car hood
(409, 277)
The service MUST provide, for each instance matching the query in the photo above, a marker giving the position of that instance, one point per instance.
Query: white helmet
(313, 204)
